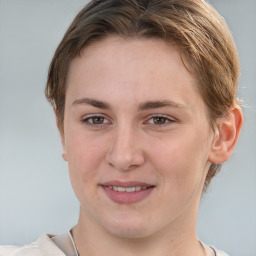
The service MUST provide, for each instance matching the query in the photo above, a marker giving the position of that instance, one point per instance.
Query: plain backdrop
(35, 192)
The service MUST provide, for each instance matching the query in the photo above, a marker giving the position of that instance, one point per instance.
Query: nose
(125, 151)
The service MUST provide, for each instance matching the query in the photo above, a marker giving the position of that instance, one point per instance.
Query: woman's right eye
(95, 121)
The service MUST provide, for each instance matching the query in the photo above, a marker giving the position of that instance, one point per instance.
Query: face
(136, 137)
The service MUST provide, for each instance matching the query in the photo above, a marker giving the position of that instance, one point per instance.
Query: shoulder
(28, 250)
(42, 246)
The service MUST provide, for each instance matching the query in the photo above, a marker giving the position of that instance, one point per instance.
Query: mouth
(128, 189)
(127, 192)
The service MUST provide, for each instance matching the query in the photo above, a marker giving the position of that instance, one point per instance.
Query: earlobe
(226, 135)
(64, 154)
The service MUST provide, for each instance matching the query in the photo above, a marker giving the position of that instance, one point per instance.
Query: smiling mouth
(128, 189)
(127, 192)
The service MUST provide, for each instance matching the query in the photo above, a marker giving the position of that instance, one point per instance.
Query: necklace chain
(73, 242)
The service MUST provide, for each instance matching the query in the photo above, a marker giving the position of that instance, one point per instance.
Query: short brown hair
(198, 31)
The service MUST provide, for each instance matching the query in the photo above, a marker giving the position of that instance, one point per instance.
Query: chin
(128, 227)
(130, 232)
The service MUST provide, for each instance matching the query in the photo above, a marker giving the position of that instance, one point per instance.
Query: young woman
(144, 93)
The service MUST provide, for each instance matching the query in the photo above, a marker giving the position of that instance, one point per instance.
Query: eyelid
(169, 120)
(87, 117)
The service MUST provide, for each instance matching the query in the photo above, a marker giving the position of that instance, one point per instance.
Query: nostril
(124, 153)
(125, 162)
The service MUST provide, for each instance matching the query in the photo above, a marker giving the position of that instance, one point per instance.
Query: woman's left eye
(159, 120)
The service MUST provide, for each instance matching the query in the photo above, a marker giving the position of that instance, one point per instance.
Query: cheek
(83, 151)
(181, 159)
(84, 155)
(83, 171)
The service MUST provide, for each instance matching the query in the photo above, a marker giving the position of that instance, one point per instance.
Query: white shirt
(46, 245)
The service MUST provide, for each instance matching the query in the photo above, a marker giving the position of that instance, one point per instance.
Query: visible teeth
(120, 189)
(130, 189)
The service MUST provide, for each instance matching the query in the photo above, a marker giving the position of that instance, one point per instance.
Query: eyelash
(166, 120)
(88, 121)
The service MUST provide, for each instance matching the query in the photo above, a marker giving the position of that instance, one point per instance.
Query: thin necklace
(73, 242)
(77, 253)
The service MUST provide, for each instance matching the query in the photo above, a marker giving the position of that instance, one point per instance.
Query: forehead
(114, 53)
(139, 67)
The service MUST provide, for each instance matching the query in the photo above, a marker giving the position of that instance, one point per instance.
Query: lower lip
(127, 197)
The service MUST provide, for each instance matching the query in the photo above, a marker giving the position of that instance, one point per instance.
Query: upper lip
(126, 184)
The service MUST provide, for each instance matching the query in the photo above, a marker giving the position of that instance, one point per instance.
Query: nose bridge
(125, 150)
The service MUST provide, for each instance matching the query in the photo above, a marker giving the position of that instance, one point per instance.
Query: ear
(61, 131)
(226, 135)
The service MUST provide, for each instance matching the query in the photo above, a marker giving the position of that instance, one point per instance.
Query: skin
(111, 132)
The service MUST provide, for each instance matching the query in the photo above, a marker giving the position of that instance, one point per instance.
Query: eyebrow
(142, 107)
(92, 102)
(161, 104)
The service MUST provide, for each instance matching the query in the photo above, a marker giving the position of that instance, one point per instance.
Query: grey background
(35, 192)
